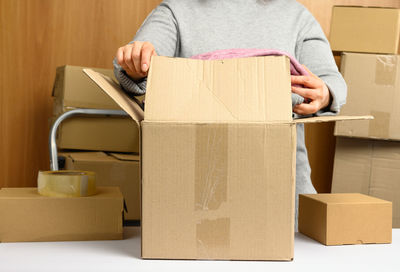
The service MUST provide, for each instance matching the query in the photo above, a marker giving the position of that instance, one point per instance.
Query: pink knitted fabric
(296, 68)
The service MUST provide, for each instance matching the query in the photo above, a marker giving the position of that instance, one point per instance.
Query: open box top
(242, 90)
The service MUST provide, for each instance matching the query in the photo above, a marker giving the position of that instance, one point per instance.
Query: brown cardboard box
(27, 216)
(365, 29)
(72, 89)
(373, 88)
(113, 134)
(368, 167)
(113, 169)
(218, 155)
(342, 219)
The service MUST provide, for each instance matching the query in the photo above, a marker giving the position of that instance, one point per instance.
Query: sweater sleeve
(314, 51)
(159, 28)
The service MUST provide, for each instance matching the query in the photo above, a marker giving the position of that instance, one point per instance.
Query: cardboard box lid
(102, 193)
(350, 198)
(231, 90)
(89, 156)
(73, 90)
(125, 157)
(187, 90)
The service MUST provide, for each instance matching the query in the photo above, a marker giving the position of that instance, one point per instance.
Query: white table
(124, 255)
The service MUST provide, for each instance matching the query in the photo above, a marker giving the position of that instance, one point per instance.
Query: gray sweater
(184, 28)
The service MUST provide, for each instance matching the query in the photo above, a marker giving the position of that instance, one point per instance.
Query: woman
(184, 28)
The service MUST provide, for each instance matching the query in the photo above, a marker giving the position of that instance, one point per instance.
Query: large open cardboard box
(218, 149)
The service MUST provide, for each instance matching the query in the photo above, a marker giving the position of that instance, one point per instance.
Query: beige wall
(36, 36)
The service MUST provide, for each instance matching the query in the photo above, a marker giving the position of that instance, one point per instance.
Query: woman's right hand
(135, 58)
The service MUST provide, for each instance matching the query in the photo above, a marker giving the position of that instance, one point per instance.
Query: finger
(147, 52)
(307, 81)
(136, 56)
(120, 56)
(128, 59)
(306, 109)
(306, 93)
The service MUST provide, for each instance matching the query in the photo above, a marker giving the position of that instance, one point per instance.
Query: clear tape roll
(66, 183)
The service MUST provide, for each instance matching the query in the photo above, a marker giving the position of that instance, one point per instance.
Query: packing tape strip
(66, 183)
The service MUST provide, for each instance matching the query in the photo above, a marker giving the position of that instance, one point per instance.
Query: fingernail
(144, 67)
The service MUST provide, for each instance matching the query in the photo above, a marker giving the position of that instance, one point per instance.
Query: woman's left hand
(315, 91)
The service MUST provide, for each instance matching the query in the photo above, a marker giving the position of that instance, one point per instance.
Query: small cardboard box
(112, 169)
(373, 88)
(369, 167)
(218, 158)
(27, 216)
(72, 90)
(365, 30)
(344, 219)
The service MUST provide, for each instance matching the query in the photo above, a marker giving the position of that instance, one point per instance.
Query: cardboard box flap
(324, 119)
(125, 157)
(89, 156)
(353, 198)
(366, 7)
(102, 192)
(232, 90)
(115, 92)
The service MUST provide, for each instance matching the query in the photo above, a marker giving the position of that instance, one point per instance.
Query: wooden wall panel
(36, 36)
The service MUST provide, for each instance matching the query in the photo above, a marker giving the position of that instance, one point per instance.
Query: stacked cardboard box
(72, 89)
(81, 134)
(27, 216)
(112, 169)
(367, 156)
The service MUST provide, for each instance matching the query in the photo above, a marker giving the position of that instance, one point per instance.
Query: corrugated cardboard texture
(112, 134)
(363, 29)
(340, 219)
(72, 89)
(218, 191)
(369, 167)
(218, 158)
(120, 170)
(27, 216)
(219, 90)
(373, 88)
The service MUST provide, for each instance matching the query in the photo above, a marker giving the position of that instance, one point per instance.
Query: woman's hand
(135, 58)
(315, 91)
